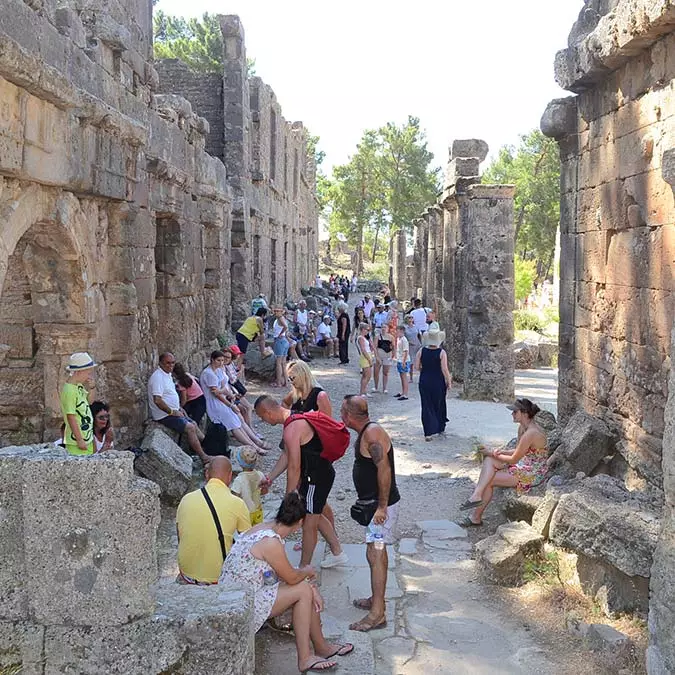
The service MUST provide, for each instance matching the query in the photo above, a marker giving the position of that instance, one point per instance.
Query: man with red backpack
(312, 441)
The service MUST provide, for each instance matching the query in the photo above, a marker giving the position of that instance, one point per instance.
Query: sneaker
(385, 391)
(334, 560)
(368, 395)
(402, 398)
(373, 391)
(398, 395)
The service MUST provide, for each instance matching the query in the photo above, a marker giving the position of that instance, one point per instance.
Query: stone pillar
(489, 360)
(236, 101)
(400, 286)
(430, 217)
(661, 652)
(439, 235)
(419, 256)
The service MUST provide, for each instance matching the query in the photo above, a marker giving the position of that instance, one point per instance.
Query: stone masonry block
(472, 147)
(166, 464)
(585, 442)
(89, 536)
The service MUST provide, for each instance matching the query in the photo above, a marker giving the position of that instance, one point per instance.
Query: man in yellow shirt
(200, 558)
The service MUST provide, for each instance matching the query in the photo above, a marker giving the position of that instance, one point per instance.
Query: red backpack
(334, 435)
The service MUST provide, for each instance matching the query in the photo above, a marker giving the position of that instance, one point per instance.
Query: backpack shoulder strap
(212, 508)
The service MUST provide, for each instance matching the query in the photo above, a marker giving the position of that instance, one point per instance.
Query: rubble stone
(164, 463)
(585, 441)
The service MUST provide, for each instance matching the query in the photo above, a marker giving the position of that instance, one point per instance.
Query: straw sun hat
(433, 337)
(80, 361)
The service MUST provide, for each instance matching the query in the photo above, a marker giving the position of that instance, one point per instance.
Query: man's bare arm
(381, 460)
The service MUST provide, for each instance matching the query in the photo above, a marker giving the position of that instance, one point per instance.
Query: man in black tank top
(374, 476)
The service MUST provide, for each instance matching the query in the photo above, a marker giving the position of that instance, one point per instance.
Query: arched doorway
(43, 319)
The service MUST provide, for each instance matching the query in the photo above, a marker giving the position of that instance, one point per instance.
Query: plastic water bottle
(378, 537)
(269, 578)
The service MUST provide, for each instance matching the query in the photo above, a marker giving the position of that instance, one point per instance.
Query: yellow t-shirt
(250, 328)
(199, 555)
(75, 401)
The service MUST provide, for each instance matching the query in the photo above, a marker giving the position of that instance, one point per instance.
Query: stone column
(430, 217)
(236, 158)
(489, 360)
(419, 256)
(400, 289)
(661, 652)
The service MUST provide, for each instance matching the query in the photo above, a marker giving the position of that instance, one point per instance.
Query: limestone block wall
(463, 268)
(617, 234)
(274, 240)
(115, 230)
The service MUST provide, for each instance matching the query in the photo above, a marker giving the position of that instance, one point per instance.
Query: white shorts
(388, 527)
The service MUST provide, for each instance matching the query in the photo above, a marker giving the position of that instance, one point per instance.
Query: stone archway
(45, 315)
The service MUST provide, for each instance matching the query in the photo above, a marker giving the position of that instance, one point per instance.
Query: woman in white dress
(220, 406)
(258, 561)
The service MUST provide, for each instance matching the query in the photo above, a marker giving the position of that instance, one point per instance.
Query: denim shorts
(175, 423)
(281, 346)
(403, 367)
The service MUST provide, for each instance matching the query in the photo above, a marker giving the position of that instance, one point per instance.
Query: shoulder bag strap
(212, 508)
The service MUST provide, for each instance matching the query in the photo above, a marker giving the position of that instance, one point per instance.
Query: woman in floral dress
(522, 468)
(258, 561)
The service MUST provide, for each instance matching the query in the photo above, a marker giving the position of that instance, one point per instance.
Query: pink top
(194, 391)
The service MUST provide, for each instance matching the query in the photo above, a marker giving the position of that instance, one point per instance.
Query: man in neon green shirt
(78, 435)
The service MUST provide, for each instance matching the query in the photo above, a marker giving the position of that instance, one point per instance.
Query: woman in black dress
(435, 381)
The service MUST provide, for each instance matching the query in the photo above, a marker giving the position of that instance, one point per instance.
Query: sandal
(343, 650)
(315, 667)
(365, 626)
(467, 522)
(468, 504)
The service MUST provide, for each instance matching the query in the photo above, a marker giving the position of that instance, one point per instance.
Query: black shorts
(316, 486)
(321, 343)
(242, 342)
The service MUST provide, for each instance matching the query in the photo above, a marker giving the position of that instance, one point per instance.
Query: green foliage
(525, 275)
(524, 319)
(384, 185)
(534, 168)
(551, 315)
(199, 44)
(546, 569)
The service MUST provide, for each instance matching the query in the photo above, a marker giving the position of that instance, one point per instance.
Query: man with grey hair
(344, 329)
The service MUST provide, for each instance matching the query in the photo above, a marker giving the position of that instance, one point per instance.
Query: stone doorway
(43, 319)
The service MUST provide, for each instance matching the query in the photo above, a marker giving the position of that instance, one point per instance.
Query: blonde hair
(303, 379)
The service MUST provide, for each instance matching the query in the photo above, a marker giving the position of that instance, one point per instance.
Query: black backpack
(217, 441)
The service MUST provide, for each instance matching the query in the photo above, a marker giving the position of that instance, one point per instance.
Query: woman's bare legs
(246, 437)
(385, 377)
(280, 371)
(365, 378)
(245, 408)
(306, 623)
(492, 476)
(376, 375)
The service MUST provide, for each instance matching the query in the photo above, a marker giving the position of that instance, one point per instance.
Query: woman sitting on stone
(191, 395)
(258, 561)
(522, 468)
(103, 433)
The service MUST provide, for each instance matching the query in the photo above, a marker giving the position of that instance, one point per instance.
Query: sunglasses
(291, 378)
(102, 417)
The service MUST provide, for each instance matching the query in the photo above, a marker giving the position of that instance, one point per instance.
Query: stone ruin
(80, 592)
(130, 223)
(462, 266)
(617, 145)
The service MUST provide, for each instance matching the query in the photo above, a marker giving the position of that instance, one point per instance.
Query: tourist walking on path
(307, 472)
(191, 395)
(375, 482)
(359, 318)
(413, 337)
(364, 346)
(281, 346)
(522, 468)
(258, 561)
(344, 329)
(103, 431)
(305, 394)
(383, 358)
(220, 403)
(434, 383)
(402, 362)
(78, 434)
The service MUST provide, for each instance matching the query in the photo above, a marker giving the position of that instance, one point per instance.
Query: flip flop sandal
(364, 626)
(261, 452)
(468, 504)
(346, 648)
(467, 522)
(315, 669)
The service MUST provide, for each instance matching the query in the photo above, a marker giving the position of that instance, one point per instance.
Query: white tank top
(302, 317)
(367, 350)
(278, 329)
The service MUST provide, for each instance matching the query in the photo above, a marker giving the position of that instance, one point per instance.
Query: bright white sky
(466, 68)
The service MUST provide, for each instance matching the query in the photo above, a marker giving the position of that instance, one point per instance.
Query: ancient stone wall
(616, 140)
(120, 234)
(463, 268)
(275, 221)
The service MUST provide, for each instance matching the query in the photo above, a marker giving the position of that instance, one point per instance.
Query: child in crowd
(403, 362)
(77, 416)
(247, 484)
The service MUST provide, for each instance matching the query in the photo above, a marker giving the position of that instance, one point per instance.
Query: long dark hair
(291, 510)
(96, 407)
(182, 376)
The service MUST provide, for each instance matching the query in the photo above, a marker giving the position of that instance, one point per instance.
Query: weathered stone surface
(520, 507)
(586, 440)
(256, 364)
(601, 637)
(164, 463)
(472, 147)
(560, 118)
(602, 520)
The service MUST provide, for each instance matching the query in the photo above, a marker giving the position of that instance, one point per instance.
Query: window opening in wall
(273, 290)
(295, 173)
(285, 269)
(256, 261)
(286, 165)
(273, 144)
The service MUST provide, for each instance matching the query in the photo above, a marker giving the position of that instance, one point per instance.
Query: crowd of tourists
(223, 536)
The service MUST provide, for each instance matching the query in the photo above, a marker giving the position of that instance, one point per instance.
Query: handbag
(363, 511)
(239, 387)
